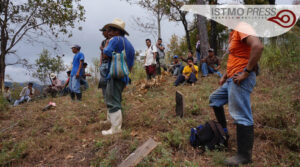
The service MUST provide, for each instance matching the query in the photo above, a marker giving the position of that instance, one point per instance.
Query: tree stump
(179, 104)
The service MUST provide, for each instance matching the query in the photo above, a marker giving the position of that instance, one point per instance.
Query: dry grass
(70, 135)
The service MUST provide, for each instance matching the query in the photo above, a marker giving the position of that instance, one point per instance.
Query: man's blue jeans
(21, 100)
(237, 97)
(180, 79)
(74, 84)
(207, 69)
(199, 57)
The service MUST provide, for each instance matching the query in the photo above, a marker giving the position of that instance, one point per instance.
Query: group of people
(236, 84)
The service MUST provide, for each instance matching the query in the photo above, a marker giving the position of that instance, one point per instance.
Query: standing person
(117, 44)
(150, 60)
(198, 50)
(211, 64)
(26, 94)
(160, 59)
(189, 73)
(7, 94)
(103, 66)
(236, 87)
(83, 76)
(76, 73)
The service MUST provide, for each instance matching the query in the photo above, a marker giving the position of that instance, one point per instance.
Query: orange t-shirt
(239, 53)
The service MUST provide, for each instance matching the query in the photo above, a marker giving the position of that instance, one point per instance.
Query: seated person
(56, 86)
(26, 94)
(176, 66)
(83, 80)
(189, 74)
(211, 64)
(66, 89)
(7, 94)
(190, 55)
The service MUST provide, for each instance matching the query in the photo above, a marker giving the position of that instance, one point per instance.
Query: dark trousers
(180, 79)
(113, 95)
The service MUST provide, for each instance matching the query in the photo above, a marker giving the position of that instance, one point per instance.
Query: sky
(98, 13)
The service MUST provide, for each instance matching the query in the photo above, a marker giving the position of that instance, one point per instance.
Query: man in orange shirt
(236, 87)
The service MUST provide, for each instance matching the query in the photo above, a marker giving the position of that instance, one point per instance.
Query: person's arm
(255, 54)
(154, 55)
(110, 46)
(218, 65)
(223, 79)
(78, 71)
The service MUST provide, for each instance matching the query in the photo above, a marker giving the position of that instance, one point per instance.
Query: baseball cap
(211, 50)
(175, 57)
(76, 46)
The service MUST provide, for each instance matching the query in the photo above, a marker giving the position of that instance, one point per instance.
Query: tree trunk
(201, 25)
(187, 32)
(4, 39)
(213, 38)
(2, 71)
(158, 19)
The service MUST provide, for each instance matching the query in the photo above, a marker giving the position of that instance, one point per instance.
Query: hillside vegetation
(70, 134)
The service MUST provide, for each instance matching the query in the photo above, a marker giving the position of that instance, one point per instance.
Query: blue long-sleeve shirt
(116, 44)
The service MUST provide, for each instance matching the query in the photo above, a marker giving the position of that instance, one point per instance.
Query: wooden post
(179, 104)
(139, 154)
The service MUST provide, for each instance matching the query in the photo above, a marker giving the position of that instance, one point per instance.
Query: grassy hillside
(70, 134)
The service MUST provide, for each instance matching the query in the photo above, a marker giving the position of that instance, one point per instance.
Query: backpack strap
(221, 130)
(215, 131)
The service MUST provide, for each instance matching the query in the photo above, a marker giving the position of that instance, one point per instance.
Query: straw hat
(52, 75)
(119, 24)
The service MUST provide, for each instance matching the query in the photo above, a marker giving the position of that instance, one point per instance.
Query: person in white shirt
(150, 60)
(26, 94)
(55, 87)
(7, 94)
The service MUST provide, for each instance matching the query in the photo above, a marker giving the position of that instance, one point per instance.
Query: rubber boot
(72, 94)
(245, 139)
(107, 119)
(116, 123)
(220, 115)
(79, 96)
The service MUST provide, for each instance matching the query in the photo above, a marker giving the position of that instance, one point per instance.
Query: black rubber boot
(245, 139)
(79, 96)
(72, 94)
(220, 115)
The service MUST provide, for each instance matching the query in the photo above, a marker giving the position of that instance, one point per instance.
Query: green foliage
(282, 53)
(177, 46)
(138, 72)
(46, 65)
(3, 103)
(174, 138)
(11, 151)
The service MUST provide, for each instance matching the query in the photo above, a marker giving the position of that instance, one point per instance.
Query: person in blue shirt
(76, 73)
(114, 88)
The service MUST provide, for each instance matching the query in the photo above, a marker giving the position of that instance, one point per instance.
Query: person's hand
(77, 75)
(238, 78)
(222, 81)
(186, 77)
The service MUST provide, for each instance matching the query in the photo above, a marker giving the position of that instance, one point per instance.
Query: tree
(172, 9)
(46, 64)
(155, 7)
(26, 18)
(202, 30)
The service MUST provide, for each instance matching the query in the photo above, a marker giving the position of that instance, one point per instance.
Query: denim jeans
(180, 79)
(74, 84)
(84, 83)
(237, 97)
(207, 69)
(199, 57)
(22, 99)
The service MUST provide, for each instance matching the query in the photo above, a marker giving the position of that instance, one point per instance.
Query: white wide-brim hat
(119, 24)
(52, 75)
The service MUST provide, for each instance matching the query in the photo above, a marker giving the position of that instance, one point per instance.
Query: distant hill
(23, 84)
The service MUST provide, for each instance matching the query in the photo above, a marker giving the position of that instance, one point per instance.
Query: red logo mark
(285, 18)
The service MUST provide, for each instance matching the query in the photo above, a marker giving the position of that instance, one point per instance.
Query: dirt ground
(70, 134)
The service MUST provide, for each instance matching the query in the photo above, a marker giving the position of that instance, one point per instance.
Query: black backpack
(211, 136)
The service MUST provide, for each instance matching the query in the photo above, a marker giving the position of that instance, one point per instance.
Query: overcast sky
(98, 13)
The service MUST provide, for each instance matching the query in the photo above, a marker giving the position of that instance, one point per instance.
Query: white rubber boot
(107, 119)
(116, 123)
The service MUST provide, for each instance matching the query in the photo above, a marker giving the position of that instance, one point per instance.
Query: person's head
(69, 73)
(210, 52)
(53, 76)
(113, 31)
(148, 42)
(104, 32)
(75, 49)
(30, 85)
(159, 41)
(190, 53)
(197, 37)
(175, 58)
(6, 88)
(190, 61)
(85, 65)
